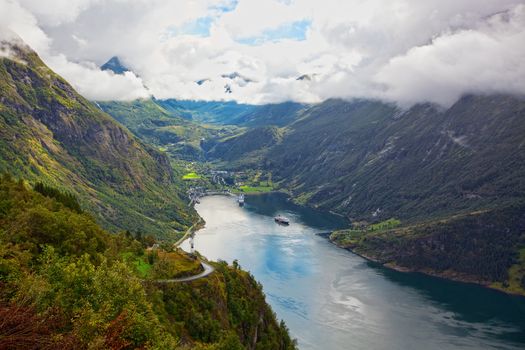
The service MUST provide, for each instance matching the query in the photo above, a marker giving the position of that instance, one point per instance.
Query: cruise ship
(281, 220)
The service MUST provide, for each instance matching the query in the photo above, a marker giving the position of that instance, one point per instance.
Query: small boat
(240, 200)
(281, 220)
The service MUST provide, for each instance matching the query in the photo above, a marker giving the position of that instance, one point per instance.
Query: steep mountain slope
(209, 112)
(179, 137)
(50, 133)
(454, 180)
(68, 284)
(247, 148)
(232, 113)
(358, 157)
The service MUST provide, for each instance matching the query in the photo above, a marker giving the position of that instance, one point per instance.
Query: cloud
(99, 85)
(62, 11)
(489, 59)
(86, 77)
(406, 51)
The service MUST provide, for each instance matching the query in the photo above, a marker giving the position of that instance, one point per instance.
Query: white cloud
(488, 59)
(99, 85)
(252, 17)
(61, 11)
(87, 78)
(402, 50)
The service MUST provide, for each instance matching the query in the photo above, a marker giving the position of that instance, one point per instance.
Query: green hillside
(247, 148)
(68, 284)
(454, 179)
(49, 133)
(485, 247)
(371, 161)
(233, 113)
(179, 137)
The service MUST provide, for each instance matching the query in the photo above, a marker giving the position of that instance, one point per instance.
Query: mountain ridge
(428, 189)
(52, 134)
(115, 65)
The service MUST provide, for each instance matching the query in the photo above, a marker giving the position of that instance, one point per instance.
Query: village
(203, 180)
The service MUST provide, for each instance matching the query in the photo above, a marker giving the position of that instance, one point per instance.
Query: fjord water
(333, 299)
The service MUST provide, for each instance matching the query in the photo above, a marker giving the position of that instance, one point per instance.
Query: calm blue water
(332, 299)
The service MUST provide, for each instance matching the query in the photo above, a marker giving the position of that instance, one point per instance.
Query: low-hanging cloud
(488, 59)
(406, 51)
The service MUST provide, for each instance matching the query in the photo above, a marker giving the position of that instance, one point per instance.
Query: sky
(270, 51)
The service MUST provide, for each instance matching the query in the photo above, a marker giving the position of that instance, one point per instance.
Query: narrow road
(188, 232)
(208, 269)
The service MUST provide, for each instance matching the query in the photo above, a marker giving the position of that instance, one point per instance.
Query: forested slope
(50, 133)
(65, 283)
(358, 157)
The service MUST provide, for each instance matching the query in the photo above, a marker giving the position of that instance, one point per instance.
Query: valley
(447, 176)
(97, 195)
(89, 214)
(332, 299)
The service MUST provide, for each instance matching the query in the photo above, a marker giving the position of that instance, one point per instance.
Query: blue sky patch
(227, 6)
(294, 31)
(199, 27)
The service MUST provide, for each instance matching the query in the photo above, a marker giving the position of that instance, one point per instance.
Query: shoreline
(199, 224)
(444, 276)
(454, 276)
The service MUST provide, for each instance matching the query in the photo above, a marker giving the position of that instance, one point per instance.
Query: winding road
(208, 269)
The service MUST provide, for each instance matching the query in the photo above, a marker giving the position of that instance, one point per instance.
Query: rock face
(358, 157)
(485, 247)
(114, 65)
(454, 177)
(50, 133)
(247, 145)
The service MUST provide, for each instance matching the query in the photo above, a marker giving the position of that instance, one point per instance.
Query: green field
(385, 225)
(191, 176)
(255, 189)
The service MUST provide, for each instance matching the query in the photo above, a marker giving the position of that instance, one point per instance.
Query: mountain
(114, 65)
(440, 191)
(49, 133)
(233, 113)
(248, 146)
(364, 157)
(208, 112)
(68, 284)
(172, 126)
(179, 137)
(277, 114)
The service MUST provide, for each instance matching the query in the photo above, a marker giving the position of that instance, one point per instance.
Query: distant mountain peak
(307, 77)
(202, 81)
(239, 78)
(115, 65)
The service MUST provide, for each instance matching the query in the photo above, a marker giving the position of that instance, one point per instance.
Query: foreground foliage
(68, 284)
